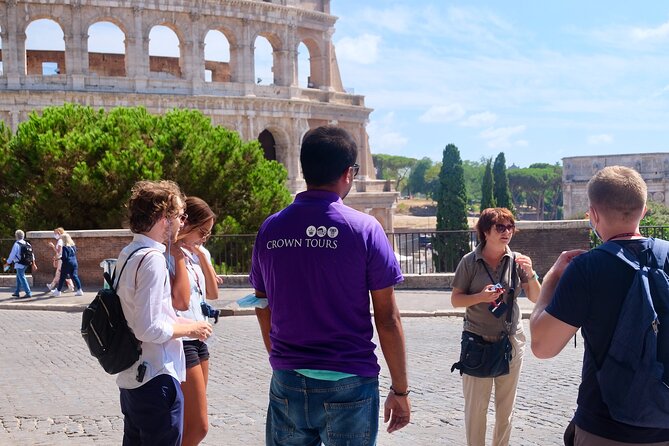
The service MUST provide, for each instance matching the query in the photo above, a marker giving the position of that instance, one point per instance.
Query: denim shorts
(305, 411)
(195, 352)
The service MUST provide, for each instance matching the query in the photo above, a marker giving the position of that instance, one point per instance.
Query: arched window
(164, 52)
(106, 49)
(216, 57)
(45, 48)
(263, 58)
(304, 79)
(268, 144)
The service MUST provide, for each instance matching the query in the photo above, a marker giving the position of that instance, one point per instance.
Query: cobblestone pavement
(55, 393)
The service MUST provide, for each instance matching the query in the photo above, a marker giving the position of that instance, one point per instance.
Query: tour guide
(316, 262)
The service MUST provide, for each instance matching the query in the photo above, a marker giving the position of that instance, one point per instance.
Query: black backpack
(634, 377)
(105, 329)
(26, 255)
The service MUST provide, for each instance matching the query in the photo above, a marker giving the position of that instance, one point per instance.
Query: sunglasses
(356, 169)
(204, 233)
(501, 228)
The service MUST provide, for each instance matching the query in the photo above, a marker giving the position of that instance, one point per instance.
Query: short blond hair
(619, 192)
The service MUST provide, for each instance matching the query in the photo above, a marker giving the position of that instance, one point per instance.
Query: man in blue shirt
(15, 257)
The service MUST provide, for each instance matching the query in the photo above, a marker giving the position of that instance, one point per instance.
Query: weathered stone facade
(577, 171)
(232, 99)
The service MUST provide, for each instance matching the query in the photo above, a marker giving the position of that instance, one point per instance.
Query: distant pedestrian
(69, 266)
(484, 285)
(57, 262)
(20, 264)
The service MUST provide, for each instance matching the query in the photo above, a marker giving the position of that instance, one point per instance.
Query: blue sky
(537, 80)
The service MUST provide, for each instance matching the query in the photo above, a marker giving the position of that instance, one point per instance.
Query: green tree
(74, 167)
(502, 193)
(417, 183)
(7, 186)
(449, 247)
(393, 167)
(657, 215)
(474, 171)
(539, 186)
(488, 187)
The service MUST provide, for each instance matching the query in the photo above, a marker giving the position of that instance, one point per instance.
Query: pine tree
(449, 247)
(502, 193)
(487, 188)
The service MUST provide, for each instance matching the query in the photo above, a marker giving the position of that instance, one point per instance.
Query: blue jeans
(21, 281)
(305, 411)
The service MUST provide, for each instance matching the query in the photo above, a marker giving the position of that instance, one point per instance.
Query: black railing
(418, 252)
(647, 231)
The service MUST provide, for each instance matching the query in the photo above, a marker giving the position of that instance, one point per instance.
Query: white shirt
(15, 255)
(146, 299)
(198, 289)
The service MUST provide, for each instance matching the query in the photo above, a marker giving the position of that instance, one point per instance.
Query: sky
(538, 80)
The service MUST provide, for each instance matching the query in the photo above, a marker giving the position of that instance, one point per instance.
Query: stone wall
(542, 241)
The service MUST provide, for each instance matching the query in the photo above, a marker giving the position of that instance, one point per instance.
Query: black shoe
(15, 295)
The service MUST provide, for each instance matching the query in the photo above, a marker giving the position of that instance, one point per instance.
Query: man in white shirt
(151, 398)
(15, 258)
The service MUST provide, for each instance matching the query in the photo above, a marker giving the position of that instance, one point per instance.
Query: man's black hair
(326, 153)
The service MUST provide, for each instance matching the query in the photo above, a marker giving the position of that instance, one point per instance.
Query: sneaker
(79, 293)
(15, 295)
(55, 293)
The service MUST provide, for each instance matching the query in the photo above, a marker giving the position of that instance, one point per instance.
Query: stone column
(13, 47)
(327, 62)
(137, 51)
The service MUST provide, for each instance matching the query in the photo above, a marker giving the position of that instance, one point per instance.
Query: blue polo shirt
(317, 260)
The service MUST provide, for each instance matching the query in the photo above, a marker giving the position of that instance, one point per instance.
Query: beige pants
(477, 393)
(584, 438)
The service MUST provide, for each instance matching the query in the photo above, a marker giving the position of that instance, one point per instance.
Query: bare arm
(532, 288)
(210, 278)
(264, 316)
(549, 334)
(200, 330)
(397, 409)
(180, 281)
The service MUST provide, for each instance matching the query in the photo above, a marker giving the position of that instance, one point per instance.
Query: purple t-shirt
(317, 260)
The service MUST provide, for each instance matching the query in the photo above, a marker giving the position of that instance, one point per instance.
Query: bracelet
(396, 393)
(536, 276)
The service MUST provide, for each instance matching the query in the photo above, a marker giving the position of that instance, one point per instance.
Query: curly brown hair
(152, 200)
(490, 217)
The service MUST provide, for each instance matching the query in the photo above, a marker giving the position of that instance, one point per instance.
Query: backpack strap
(623, 254)
(660, 249)
(112, 279)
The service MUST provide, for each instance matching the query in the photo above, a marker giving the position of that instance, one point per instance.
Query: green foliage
(488, 187)
(7, 188)
(451, 200)
(657, 215)
(75, 166)
(502, 193)
(474, 171)
(393, 167)
(540, 186)
(417, 182)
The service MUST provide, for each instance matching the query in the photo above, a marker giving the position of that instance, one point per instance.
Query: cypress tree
(487, 188)
(502, 193)
(449, 247)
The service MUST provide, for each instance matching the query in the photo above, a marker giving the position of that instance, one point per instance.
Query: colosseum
(272, 106)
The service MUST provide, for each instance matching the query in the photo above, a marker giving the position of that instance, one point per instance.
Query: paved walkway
(55, 393)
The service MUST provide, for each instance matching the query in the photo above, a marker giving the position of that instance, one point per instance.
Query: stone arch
(217, 56)
(164, 61)
(105, 59)
(45, 57)
(316, 78)
(268, 144)
(264, 65)
(281, 143)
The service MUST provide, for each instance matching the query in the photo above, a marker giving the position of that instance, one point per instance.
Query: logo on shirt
(311, 231)
(321, 231)
(333, 232)
(315, 239)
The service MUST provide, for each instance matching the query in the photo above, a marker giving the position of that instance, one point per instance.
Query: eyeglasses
(356, 169)
(501, 228)
(204, 233)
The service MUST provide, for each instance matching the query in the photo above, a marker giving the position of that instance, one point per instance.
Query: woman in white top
(57, 262)
(193, 282)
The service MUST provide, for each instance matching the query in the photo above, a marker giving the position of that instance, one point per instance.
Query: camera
(498, 307)
(209, 311)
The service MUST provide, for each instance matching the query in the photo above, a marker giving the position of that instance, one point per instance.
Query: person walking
(69, 266)
(483, 284)
(151, 397)
(193, 282)
(57, 262)
(316, 263)
(589, 290)
(20, 264)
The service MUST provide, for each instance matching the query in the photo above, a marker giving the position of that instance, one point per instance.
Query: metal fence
(647, 231)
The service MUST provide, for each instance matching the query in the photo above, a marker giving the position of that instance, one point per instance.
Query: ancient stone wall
(577, 171)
